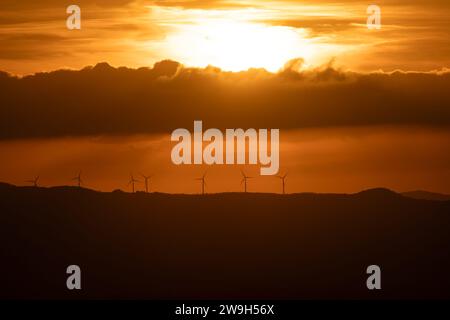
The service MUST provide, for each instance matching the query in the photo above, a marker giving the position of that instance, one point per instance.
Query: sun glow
(237, 45)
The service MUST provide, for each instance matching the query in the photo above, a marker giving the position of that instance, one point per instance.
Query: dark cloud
(113, 101)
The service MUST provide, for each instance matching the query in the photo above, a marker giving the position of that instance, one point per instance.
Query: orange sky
(233, 35)
(317, 160)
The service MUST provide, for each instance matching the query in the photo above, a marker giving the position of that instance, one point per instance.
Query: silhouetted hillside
(426, 195)
(229, 245)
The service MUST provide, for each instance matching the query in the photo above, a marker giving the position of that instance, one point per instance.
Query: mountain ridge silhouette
(221, 246)
(374, 193)
(427, 195)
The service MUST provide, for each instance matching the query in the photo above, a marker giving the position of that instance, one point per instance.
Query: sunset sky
(232, 35)
(356, 108)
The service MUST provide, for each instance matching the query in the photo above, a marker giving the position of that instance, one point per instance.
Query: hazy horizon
(317, 160)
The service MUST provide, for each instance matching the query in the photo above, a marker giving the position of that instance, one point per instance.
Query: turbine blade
(146, 177)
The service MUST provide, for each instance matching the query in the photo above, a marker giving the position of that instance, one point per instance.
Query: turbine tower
(146, 178)
(34, 181)
(132, 181)
(78, 179)
(202, 179)
(283, 178)
(244, 180)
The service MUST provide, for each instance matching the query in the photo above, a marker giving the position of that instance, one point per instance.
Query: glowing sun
(237, 45)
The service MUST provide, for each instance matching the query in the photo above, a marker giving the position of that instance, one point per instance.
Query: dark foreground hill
(222, 245)
(426, 195)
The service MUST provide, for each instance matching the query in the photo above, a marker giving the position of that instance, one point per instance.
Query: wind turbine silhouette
(34, 181)
(132, 181)
(146, 178)
(78, 179)
(283, 178)
(202, 179)
(244, 180)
